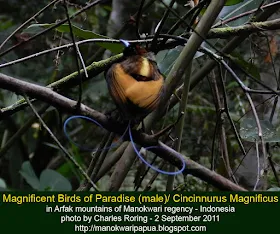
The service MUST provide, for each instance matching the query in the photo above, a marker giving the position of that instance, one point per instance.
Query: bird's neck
(145, 68)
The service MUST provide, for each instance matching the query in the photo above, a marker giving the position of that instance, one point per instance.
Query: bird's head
(132, 49)
(136, 49)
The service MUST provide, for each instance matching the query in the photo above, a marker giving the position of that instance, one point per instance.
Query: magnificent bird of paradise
(135, 84)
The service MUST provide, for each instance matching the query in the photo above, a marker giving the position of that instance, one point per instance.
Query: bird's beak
(126, 43)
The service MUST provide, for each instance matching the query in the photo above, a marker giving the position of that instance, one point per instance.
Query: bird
(135, 83)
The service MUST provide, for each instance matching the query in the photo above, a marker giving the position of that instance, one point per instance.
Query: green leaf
(228, 3)
(51, 180)
(249, 130)
(249, 67)
(233, 2)
(5, 25)
(29, 175)
(166, 58)
(81, 33)
(232, 85)
(66, 169)
(2, 184)
(274, 189)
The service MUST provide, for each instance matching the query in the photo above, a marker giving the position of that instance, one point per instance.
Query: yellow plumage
(135, 85)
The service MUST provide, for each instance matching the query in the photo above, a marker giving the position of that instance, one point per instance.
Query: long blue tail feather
(114, 145)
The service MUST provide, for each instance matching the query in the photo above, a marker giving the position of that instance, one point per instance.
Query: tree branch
(244, 29)
(67, 82)
(98, 67)
(231, 45)
(185, 57)
(68, 105)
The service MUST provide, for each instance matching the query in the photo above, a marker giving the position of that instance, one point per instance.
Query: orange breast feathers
(135, 84)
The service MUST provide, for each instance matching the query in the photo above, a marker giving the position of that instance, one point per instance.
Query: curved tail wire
(151, 166)
(114, 145)
(85, 148)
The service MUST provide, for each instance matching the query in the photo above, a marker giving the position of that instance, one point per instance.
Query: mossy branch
(65, 104)
(244, 29)
(66, 82)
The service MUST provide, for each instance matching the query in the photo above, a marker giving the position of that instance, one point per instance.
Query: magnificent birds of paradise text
(138, 212)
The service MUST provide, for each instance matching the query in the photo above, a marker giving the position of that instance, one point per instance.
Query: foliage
(36, 158)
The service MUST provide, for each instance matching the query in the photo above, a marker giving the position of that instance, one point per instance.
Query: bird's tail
(129, 130)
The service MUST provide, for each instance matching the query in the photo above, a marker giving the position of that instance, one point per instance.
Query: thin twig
(247, 93)
(138, 18)
(67, 154)
(103, 155)
(111, 161)
(145, 173)
(246, 28)
(165, 152)
(189, 13)
(52, 27)
(149, 184)
(226, 109)
(213, 158)
(272, 61)
(220, 59)
(188, 53)
(20, 132)
(258, 165)
(67, 81)
(260, 132)
(27, 22)
(86, 186)
(231, 45)
(223, 22)
(161, 23)
(181, 123)
(221, 106)
(76, 52)
(95, 40)
(269, 156)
